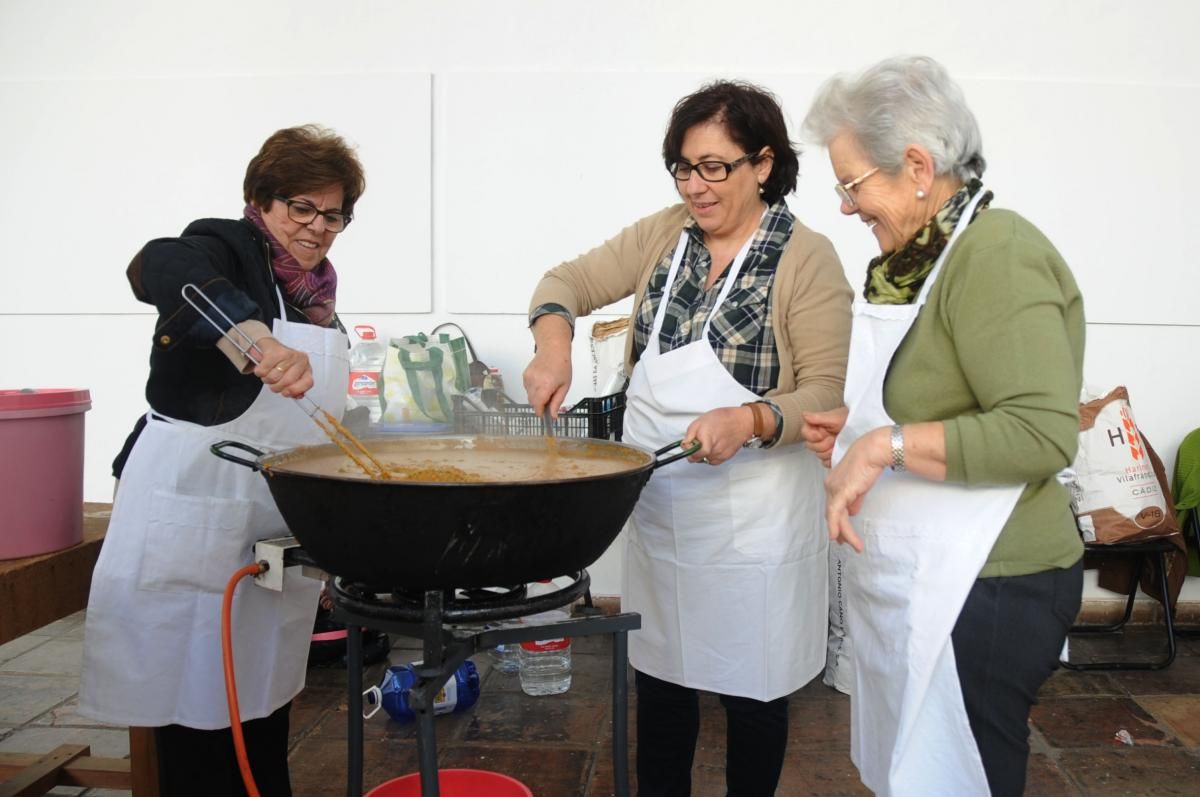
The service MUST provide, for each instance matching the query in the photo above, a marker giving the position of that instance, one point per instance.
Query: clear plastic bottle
(506, 658)
(366, 373)
(546, 663)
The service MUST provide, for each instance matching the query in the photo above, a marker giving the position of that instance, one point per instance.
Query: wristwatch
(756, 438)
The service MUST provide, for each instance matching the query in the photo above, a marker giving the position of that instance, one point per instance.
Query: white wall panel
(95, 168)
(535, 168)
(1107, 171)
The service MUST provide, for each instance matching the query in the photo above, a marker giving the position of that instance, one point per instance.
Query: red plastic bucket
(455, 783)
(41, 470)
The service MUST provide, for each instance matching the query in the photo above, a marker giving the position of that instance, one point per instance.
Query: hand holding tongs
(324, 420)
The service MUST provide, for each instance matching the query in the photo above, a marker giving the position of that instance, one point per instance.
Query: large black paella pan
(460, 511)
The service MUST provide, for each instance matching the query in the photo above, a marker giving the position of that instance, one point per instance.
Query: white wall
(501, 138)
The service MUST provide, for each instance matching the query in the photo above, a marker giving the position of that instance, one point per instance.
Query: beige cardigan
(812, 323)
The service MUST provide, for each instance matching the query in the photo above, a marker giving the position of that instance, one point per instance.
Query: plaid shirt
(741, 334)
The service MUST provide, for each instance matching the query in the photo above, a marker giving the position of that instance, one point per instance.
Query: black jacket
(190, 378)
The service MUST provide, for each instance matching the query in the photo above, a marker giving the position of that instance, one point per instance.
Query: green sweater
(996, 354)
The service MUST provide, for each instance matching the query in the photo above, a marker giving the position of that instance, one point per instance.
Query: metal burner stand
(441, 623)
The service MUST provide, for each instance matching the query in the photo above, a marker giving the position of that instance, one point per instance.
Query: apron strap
(963, 221)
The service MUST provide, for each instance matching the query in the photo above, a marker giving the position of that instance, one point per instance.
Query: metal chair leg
(1168, 611)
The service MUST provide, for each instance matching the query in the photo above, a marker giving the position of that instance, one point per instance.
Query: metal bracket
(274, 552)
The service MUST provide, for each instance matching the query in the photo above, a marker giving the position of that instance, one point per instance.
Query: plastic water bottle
(546, 663)
(458, 694)
(506, 658)
(366, 373)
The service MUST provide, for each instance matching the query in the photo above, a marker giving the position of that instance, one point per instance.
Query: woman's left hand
(721, 433)
(847, 484)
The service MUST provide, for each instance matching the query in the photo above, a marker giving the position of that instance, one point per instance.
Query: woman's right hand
(547, 380)
(821, 430)
(548, 376)
(286, 371)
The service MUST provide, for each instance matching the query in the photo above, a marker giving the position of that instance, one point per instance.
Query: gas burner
(474, 596)
(454, 625)
(453, 606)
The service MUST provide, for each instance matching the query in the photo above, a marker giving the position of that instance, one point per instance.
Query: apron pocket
(756, 529)
(193, 543)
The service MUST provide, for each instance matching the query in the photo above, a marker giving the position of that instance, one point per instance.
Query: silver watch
(897, 447)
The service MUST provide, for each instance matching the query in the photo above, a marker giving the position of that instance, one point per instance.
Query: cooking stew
(472, 460)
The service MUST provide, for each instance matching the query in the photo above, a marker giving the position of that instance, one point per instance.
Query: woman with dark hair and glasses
(741, 323)
(184, 521)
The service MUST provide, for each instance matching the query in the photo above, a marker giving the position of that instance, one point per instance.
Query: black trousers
(1006, 643)
(195, 763)
(668, 725)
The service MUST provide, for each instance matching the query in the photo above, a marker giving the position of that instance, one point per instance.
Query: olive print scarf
(896, 277)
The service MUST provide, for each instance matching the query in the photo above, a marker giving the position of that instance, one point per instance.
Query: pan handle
(686, 452)
(219, 450)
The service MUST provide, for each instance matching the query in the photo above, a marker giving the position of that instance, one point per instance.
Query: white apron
(925, 543)
(183, 522)
(726, 564)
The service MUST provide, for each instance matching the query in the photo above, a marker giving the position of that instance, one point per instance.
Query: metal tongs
(328, 424)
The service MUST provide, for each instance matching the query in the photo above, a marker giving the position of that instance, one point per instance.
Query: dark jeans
(196, 763)
(668, 724)
(1007, 642)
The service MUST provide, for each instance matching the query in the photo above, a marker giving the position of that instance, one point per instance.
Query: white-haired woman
(965, 365)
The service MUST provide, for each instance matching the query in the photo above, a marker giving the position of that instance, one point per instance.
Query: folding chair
(1155, 546)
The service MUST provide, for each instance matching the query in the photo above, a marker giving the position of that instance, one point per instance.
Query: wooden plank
(144, 754)
(38, 590)
(42, 775)
(85, 771)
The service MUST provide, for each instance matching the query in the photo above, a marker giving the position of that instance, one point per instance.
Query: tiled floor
(560, 746)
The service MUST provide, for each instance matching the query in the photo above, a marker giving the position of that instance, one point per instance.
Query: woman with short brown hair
(183, 521)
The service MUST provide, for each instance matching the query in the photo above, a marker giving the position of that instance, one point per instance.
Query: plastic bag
(420, 374)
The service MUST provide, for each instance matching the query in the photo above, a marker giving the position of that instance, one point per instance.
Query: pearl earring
(920, 194)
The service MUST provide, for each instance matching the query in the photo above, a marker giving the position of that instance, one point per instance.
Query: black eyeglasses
(709, 171)
(303, 212)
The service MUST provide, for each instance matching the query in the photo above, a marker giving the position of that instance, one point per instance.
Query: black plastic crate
(598, 416)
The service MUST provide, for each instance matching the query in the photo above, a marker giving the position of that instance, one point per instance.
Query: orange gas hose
(235, 718)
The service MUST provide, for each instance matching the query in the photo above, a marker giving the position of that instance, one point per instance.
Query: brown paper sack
(1120, 493)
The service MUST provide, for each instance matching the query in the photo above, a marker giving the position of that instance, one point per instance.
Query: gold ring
(280, 368)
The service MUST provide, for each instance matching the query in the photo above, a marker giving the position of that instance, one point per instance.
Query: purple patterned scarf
(312, 292)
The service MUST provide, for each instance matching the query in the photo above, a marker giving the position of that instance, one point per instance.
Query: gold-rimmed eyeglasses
(845, 190)
(303, 212)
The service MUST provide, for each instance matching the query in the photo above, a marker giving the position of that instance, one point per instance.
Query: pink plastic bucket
(41, 470)
(455, 783)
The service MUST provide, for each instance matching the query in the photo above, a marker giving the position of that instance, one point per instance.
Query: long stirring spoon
(548, 429)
